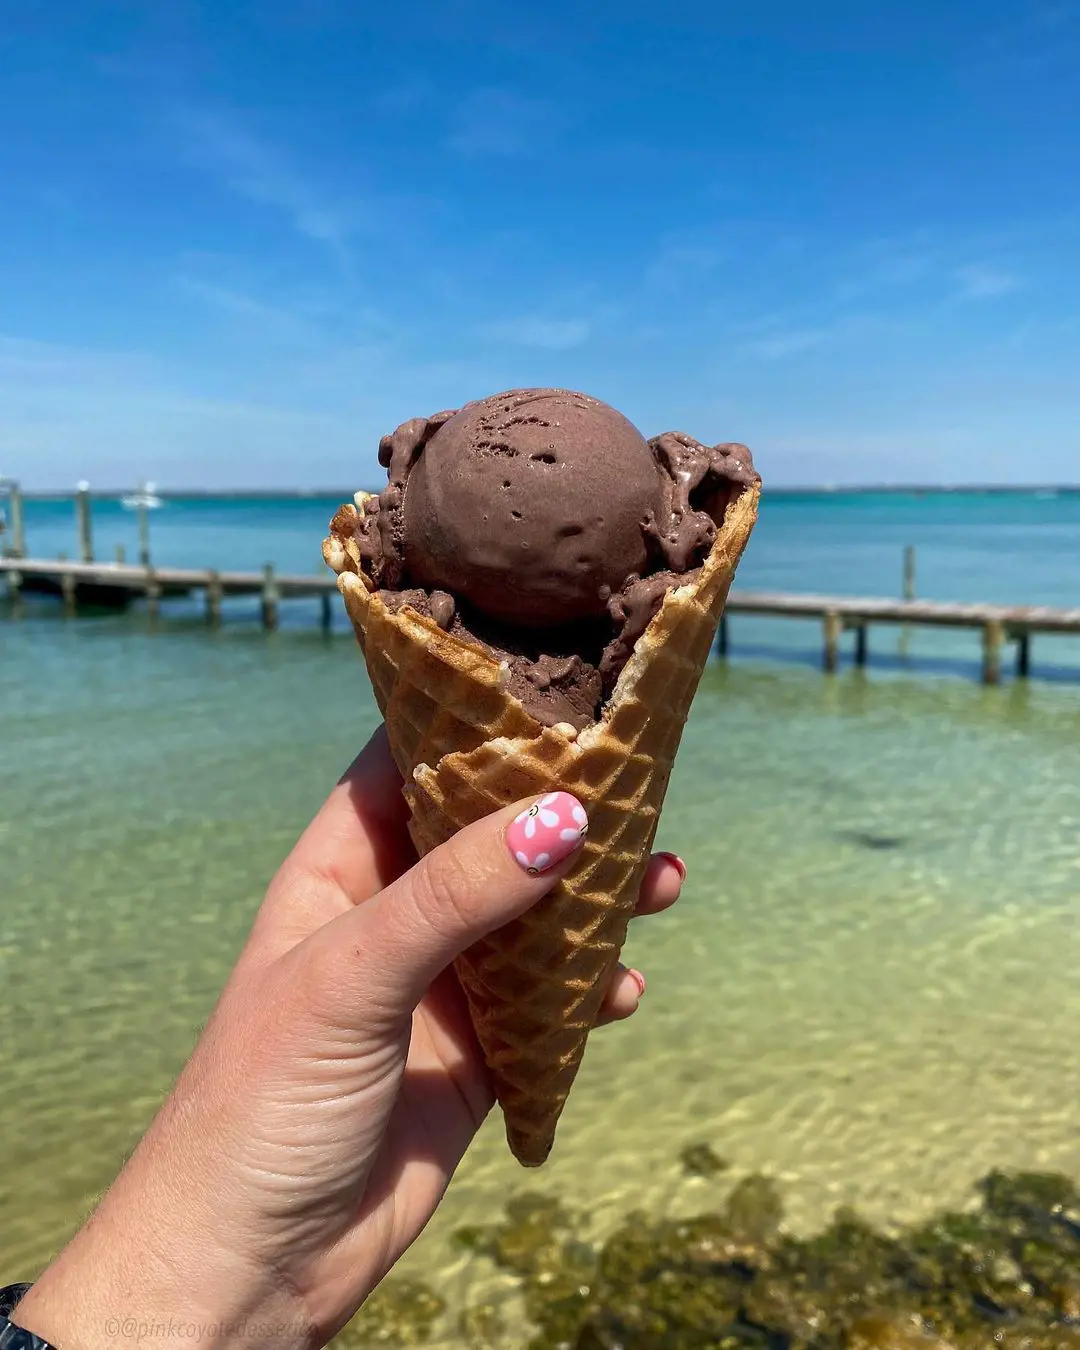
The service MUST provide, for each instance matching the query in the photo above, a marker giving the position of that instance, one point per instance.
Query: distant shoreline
(345, 494)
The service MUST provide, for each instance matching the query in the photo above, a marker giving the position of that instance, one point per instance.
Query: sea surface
(870, 990)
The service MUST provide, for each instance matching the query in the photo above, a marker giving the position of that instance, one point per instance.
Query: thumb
(383, 955)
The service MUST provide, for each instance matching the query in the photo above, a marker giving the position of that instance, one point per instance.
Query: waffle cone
(466, 747)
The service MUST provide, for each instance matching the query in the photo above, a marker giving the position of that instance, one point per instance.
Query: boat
(146, 499)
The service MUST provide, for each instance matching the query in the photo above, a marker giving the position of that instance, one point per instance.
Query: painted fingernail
(547, 832)
(638, 979)
(675, 861)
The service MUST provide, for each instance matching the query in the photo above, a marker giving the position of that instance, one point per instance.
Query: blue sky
(240, 241)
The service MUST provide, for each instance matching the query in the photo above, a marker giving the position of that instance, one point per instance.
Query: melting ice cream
(543, 525)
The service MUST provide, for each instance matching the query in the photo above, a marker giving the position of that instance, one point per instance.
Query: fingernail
(676, 861)
(638, 979)
(547, 832)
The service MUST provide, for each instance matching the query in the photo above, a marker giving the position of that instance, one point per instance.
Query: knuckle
(314, 984)
(445, 891)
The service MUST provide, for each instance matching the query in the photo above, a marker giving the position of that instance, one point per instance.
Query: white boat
(145, 499)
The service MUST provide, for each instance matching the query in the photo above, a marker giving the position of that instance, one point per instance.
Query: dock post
(144, 527)
(14, 590)
(153, 594)
(723, 638)
(85, 525)
(909, 572)
(1023, 653)
(861, 644)
(326, 611)
(17, 547)
(269, 598)
(908, 593)
(992, 638)
(213, 599)
(121, 555)
(67, 591)
(833, 628)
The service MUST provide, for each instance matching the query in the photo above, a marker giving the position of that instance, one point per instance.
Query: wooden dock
(997, 624)
(116, 585)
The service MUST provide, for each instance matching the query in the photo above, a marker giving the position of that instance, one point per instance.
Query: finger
(623, 995)
(359, 838)
(660, 889)
(662, 883)
(381, 957)
(357, 844)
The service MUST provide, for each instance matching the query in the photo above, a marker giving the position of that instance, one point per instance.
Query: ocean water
(1012, 548)
(870, 990)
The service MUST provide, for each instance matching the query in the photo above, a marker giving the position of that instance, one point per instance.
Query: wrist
(92, 1298)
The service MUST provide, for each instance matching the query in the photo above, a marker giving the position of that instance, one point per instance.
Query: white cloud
(496, 121)
(227, 300)
(256, 171)
(681, 262)
(532, 331)
(978, 282)
(791, 342)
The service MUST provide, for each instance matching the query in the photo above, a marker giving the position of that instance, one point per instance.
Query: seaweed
(401, 1312)
(699, 1160)
(1004, 1275)
(481, 1327)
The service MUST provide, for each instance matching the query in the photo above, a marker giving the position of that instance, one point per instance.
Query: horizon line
(346, 494)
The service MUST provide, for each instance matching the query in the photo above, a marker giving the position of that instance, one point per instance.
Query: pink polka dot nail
(549, 831)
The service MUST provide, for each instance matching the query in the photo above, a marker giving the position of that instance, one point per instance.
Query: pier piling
(84, 522)
(270, 598)
(908, 593)
(722, 638)
(18, 520)
(15, 545)
(213, 598)
(861, 644)
(326, 612)
(14, 587)
(909, 572)
(143, 513)
(832, 627)
(152, 587)
(67, 593)
(993, 636)
(1023, 654)
(121, 555)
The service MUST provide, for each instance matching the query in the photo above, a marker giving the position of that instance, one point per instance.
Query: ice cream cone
(465, 747)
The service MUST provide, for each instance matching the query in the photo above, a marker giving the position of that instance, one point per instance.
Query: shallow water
(1006, 548)
(871, 989)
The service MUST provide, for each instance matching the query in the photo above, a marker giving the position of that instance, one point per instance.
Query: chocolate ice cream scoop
(531, 506)
(542, 524)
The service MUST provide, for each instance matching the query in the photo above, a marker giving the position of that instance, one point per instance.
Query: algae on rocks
(700, 1160)
(1005, 1276)
(400, 1313)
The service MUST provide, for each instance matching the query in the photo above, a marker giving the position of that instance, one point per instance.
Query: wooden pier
(88, 585)
(116, 585)
(996, 624)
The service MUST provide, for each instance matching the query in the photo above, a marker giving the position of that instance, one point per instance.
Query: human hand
(329, 1099)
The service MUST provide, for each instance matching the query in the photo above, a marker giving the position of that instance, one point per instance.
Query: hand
(332, 1094)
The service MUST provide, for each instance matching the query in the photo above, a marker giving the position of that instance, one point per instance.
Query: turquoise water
(1019, 548)
(871, 989)
(1009, 548)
